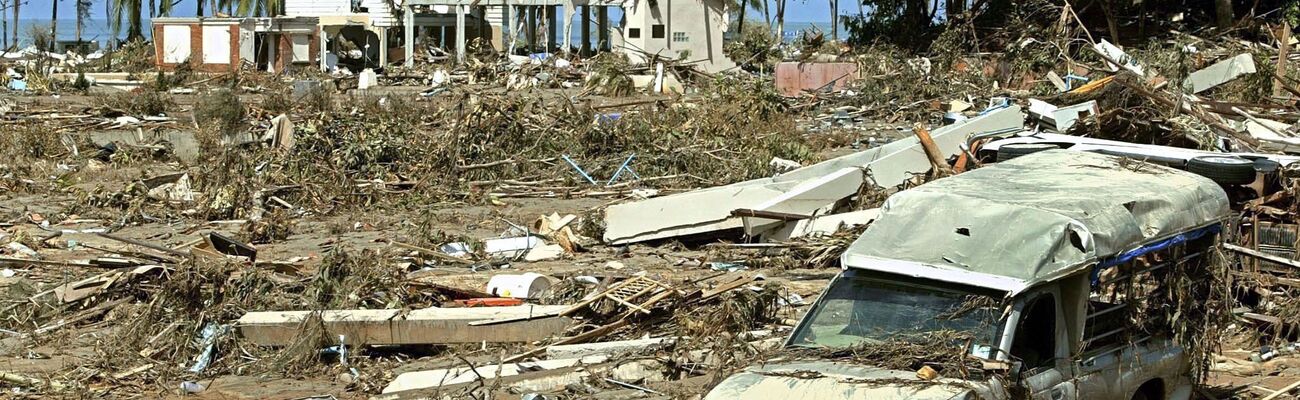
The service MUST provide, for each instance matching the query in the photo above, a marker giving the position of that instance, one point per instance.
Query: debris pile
(553, 225)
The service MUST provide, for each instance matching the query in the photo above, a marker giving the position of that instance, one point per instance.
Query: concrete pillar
(324, 41)
(552, 27)
(408, 26)
(507, 31)
(532, 29)
(586, 31)
(460, 32)
(274, 39)
(383, 47)
(602, 26)
(568, 27)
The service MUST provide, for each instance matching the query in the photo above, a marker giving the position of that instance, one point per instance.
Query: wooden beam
(1262, 256)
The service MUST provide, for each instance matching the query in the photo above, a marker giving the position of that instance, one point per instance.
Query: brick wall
(284, 49)
(196, 50)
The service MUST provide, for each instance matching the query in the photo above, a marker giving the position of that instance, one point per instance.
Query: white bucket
(527, 286)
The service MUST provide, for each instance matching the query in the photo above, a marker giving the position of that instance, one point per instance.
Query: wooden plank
(1262, 256)
(143, 244)
(427, 326)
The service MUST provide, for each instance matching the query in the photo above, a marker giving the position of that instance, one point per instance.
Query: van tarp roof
(1015, 219)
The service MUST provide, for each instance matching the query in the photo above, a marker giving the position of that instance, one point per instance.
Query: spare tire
(1013, 150)
(1224, 170)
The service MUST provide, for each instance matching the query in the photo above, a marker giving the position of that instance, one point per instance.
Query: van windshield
(859, 310)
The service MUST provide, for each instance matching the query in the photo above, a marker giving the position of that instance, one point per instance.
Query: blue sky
(796, 10)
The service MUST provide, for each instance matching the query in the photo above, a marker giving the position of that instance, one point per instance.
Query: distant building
(358, 34)
(672, 29)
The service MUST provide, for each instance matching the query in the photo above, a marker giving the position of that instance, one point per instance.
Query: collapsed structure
(368, 34)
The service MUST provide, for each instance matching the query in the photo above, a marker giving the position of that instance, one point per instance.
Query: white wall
(316, 8)
(380, 11)
(176, 43)
(216, 44)
(700, 23)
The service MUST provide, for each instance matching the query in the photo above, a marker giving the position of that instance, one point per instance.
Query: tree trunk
(54, 25)
(1223, 13)
(152, 7)
(767, 16)
(17, 3)
(1112, 21)
(835, 20)
(953, 8)
(80, 21)
(740, 25)
(780, 20)
(134, 25)
(198, 8)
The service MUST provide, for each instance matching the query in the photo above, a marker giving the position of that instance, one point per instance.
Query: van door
(1039, 345)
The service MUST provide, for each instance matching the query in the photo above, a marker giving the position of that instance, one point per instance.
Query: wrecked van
(1058, 275)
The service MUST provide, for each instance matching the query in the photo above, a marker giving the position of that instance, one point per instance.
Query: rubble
(542, 218)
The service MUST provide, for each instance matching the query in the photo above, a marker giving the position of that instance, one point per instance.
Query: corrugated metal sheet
(1279, 240)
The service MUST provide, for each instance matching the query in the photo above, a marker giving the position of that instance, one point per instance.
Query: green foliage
(139, 103)
(81, 84)
(220, 110)
(609, 76)
(756, 49)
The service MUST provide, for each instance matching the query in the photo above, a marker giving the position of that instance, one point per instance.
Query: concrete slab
(604, 348)
(184, 144)
(807, 198)
(426, 326)
(452, 376)
(823, 225)
(1220, 73)
(709, 210)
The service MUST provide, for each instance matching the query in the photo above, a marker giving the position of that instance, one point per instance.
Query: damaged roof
(1012, 224)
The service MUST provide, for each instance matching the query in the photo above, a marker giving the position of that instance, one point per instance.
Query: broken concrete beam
(1220, 73)
(709, 210)
(563, 351)
(806, 198)
(1062, 119)
(426, 326)
(452, 376)
(823, 225)
(545, 380)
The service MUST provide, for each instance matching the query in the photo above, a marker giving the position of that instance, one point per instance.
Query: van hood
(833, 380)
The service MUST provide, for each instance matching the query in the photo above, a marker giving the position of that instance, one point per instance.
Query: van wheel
(1225, 170)
(1010, 151)
(1140, 395)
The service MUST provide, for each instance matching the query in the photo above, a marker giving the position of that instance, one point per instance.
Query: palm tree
(54, 24)
(83, 12)
(129, 9)
(253, 8)
(16, 4)
(835, 20)
(744, 6)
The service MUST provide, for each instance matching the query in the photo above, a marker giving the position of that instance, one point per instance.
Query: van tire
(1224, 170)
(1013, 150)
(1140, 395)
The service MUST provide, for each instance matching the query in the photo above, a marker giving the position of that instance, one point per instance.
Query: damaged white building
(329, 34)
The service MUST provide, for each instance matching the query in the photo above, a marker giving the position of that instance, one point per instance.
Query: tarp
(1035, 218)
